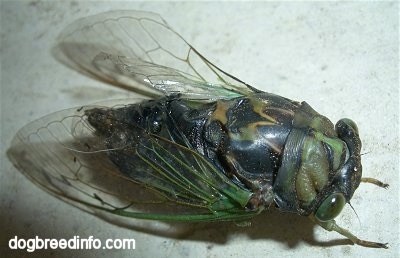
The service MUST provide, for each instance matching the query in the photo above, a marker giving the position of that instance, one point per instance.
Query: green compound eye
(330, 207)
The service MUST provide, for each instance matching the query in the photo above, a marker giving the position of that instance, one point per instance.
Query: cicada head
(345, 180)
(321, 165)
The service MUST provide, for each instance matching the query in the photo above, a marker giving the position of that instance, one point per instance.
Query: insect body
(210, 144)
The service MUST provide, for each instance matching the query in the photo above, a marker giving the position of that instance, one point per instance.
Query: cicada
(205, 147)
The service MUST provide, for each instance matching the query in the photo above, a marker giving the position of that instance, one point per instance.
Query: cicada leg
(263, 195)
(332, 226)
(374, 181)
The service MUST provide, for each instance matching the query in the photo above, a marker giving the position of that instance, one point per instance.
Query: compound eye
(330, 207)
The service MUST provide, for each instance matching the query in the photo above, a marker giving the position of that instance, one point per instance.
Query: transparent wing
(160, 180)
(134, 49)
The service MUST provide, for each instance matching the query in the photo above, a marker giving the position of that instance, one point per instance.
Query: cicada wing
(60, 153)
(180, 174)
(129, 48)
(165, 181)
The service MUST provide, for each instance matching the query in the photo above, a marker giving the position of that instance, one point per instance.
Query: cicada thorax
(246, 137)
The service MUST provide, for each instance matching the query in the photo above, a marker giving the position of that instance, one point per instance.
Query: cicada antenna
(358, 218)
(365, 153)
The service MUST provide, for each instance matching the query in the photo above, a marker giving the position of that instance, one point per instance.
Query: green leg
(332, 226)
(374, 181)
